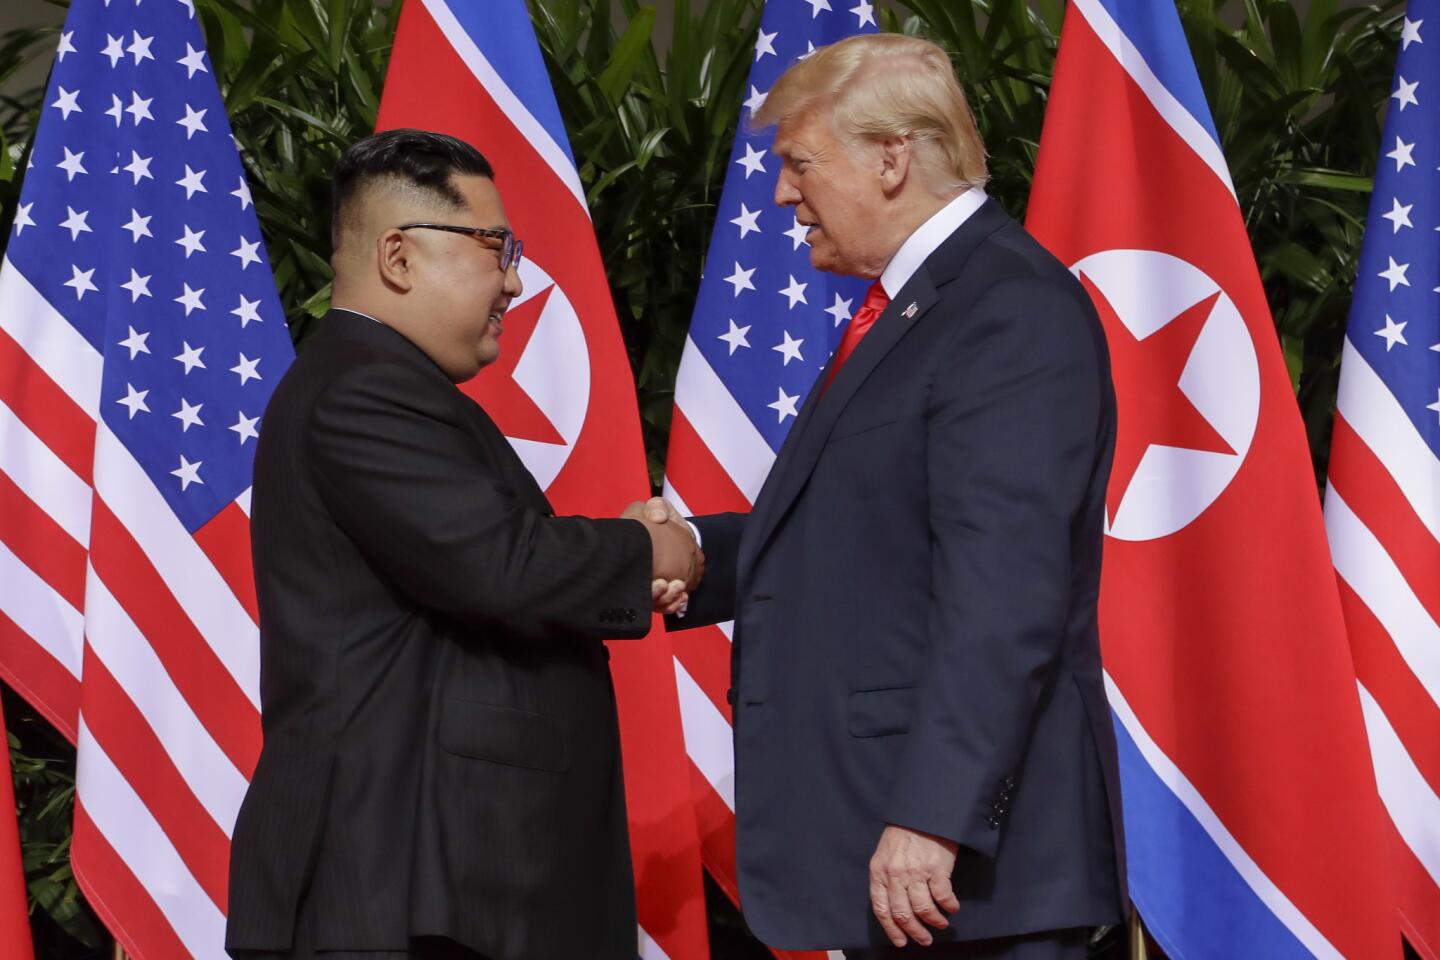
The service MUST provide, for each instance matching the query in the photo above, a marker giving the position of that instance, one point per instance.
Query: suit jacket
(914, 596)
(441, 754)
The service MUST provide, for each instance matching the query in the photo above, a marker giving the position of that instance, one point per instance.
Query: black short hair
(423, 160)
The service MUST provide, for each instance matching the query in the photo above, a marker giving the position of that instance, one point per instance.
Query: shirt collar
(927, 239)
(358, 314)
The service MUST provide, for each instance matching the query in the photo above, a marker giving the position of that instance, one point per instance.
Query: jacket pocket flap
(506, 735)
(857, 425)
(881, 713)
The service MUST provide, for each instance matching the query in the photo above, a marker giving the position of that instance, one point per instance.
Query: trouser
(1050, 945)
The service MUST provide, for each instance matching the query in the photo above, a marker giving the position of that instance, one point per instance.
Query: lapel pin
(908, 312)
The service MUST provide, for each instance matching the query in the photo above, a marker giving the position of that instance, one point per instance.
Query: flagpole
(1137, 936)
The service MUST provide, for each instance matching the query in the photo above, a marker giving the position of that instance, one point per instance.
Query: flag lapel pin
(908, 312)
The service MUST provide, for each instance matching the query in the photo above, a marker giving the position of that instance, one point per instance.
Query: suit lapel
(802, 447)
(806, 440)
(512, 471)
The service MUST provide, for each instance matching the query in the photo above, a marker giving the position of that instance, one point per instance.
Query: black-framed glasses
(511, 249)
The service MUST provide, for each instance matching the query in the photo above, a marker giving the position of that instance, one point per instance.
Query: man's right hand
(677, 557)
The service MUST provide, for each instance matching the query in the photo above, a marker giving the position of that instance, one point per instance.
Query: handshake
(678, 563)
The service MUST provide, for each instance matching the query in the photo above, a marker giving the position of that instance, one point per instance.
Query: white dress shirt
(927, 239)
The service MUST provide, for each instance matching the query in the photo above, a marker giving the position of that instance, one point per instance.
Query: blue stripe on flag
(1186, 890)
(503, 32)
(1156, 33)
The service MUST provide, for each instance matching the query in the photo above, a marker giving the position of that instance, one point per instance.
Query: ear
(393, 252)
(895, 157)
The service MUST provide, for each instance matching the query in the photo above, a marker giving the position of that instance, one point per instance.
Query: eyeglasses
(510, 248)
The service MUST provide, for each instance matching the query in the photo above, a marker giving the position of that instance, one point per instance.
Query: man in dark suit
(923, 747)
(441, 770)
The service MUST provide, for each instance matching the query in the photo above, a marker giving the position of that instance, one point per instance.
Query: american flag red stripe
(1384, 672)
(691, 467)
(119, 899)
(123, 733)
(38, 677)
(24, 385)
(42, 544)
(226, 543)
(1358, 475)
(209, 690)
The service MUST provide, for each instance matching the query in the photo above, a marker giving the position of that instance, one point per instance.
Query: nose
(786, 193)
(513, 286)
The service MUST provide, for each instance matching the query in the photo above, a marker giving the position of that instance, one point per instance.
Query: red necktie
(875, 303)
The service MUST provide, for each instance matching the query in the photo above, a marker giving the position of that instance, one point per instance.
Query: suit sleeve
(714, 600)
(417, 494)
(1012, 443)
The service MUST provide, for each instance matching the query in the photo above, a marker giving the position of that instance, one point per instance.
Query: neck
(909, 213)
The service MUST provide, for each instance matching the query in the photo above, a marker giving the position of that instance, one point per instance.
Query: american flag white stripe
(1407, 796)
(1377, 417)
(188, 574)
(1362, 562)
(54, 345)
(727, 432)
(127, 824)
(44, 477)
(707, 736)
(649, 949)
(44, 615)
(114, 638)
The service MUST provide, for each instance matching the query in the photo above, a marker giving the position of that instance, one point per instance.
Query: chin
(824, 261)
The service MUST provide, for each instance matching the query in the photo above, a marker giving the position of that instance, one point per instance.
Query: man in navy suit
(924, 755)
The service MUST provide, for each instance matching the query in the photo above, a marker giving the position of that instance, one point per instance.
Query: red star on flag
(1153, 408)
(495, 388)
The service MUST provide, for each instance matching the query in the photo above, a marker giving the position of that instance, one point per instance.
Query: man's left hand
(910, 882)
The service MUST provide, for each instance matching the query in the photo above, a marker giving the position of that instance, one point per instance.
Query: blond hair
(881, 86)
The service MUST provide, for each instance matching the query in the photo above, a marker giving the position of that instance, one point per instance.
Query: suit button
(993, 823)
(630, 616)
(1010, 782)
(730, 696)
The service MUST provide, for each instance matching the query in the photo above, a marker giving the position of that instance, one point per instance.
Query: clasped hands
(678, 561)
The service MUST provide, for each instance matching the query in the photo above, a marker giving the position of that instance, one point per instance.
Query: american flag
(765, 324)
(140, 338)
(1382, 508)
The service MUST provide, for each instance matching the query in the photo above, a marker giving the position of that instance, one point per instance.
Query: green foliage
(1297, 103)
(301, 80)
(652, 141)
